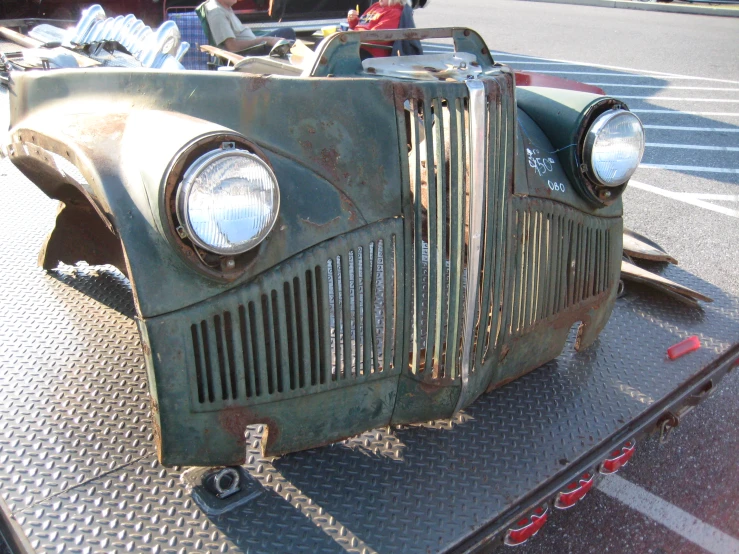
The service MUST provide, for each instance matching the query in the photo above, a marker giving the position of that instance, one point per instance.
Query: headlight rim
(224, 269)
(591, 135)
(185, 188)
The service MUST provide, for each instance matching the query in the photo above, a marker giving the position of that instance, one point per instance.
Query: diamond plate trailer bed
(78, 469)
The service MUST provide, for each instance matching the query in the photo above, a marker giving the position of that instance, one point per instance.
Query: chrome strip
(478, 117)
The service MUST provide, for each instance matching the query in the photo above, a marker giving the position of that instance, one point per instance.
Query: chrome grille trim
(477, 150)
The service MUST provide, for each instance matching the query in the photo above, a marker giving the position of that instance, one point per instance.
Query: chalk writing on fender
(555, 186)
(541, 165)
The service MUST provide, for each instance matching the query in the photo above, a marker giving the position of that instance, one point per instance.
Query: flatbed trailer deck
(78, 467)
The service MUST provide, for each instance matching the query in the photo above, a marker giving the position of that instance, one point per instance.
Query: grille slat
(500, 153)
(206, 342)
(418, 226)
(368, 343)
(229, 338)
(223, 369)
(282, 339)
(433, 256)
(247, 351)
(389, 314)
(358, 304)
(440, 306)
(457, 202)
(343, 270)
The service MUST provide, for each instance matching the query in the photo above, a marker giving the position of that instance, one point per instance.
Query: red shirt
(380, 17)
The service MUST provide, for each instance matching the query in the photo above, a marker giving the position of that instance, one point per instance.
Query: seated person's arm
(233, 44)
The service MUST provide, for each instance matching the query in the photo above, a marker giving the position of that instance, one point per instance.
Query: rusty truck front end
(428, 231)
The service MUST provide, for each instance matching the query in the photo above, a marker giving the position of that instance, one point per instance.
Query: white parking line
(674, 87)
(731, 100)
(720, 197)
(697, 129)
(673, 112)
(693, 147)
(687, 198)
(679, 521)
(537, 63)
(659, 73)
(644, 76)
(695, 168)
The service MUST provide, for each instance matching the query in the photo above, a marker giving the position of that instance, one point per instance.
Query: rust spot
(156, 430)
(348, 206)
(388, 90)
(311, 130)
(329, 160)
(504, 352)
(432, 388)
(306, 144)
(255, 83)
(235, 420)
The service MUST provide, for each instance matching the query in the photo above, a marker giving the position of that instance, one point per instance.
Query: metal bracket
(220, 490)
(668, 422)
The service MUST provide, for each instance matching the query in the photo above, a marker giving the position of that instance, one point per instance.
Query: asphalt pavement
(680, 74)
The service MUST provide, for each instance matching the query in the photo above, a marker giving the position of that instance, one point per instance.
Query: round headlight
(614, 147)
(228, 201)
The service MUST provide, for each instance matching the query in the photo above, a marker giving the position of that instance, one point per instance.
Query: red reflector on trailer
(683, 347)
(618, 458)
(527, 527)
(574, 492)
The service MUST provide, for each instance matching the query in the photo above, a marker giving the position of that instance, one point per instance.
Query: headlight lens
(228, 201)
(614, 147)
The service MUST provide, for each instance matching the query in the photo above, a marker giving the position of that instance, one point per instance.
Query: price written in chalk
(555, 186)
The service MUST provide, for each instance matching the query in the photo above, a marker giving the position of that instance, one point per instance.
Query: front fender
(118, 161)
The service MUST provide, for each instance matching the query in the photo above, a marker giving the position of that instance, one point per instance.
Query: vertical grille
(312, 328)
(562, 258)
(438, 127)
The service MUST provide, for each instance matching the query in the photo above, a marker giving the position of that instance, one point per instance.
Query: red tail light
(527, 527)
(574, 492)
(618, 458)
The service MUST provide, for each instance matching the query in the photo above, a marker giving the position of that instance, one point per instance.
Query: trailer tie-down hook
(672, 419)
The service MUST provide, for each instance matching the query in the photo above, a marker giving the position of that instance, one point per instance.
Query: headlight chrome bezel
(592, 135)
(224, 268)
(189, 180)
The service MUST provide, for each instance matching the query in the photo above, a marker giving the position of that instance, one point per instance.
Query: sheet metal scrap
(640, 247)
(634, 273)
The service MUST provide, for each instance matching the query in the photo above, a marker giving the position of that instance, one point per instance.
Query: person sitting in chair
(232, 35)
(388, 14)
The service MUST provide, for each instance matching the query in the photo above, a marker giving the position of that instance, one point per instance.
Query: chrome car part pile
(162, 48)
